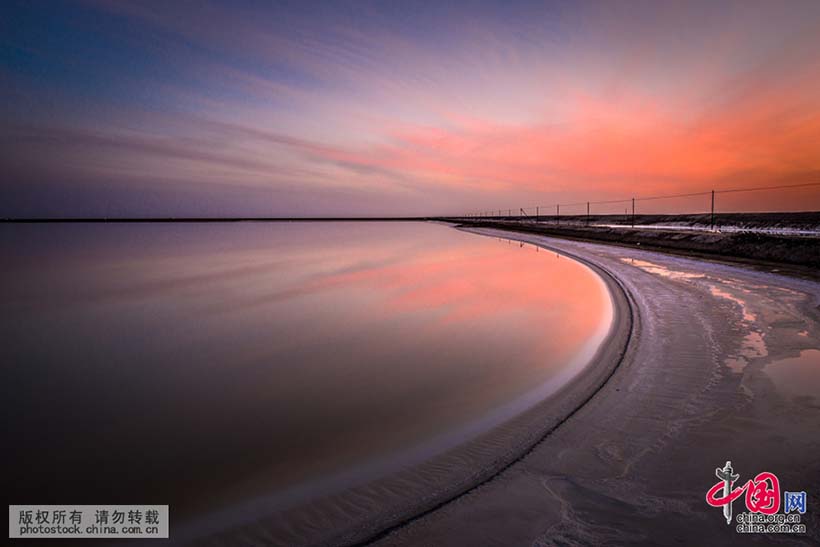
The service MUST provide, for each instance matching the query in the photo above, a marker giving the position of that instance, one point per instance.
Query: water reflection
(748, 316)
(797, 376)
(218, 362)
(752, 347)
(662, 271)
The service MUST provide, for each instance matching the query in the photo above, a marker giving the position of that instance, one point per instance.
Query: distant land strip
(215, 219)
(772, 250)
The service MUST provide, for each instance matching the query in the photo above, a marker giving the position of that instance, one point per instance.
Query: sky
(402, 108)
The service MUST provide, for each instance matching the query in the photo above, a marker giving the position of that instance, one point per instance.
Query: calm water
(201, 365)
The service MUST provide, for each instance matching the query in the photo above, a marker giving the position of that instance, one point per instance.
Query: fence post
(537, 212)
(587, 213)
(712, 221)
(633, 212)
(557, 214)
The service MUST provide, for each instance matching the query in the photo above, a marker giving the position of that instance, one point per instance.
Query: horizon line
(23, 220)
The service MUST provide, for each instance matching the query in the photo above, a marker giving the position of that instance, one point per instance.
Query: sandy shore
(723, 364)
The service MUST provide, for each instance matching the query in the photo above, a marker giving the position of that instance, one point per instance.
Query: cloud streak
(407, 109)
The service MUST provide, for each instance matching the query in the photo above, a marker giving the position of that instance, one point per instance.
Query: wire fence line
(554, 211)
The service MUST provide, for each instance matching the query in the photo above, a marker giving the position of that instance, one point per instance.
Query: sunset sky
(400, 108)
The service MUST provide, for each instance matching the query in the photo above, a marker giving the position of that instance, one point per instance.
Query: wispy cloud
(411, 109)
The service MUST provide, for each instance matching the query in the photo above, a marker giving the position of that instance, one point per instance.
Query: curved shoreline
(608, 357)
(427, 486)
(697, 386)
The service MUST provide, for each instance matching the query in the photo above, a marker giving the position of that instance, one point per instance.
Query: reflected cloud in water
(225, 361)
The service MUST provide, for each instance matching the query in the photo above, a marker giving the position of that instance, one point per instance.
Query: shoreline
(582, 388)
(365, 514)
(696, 387)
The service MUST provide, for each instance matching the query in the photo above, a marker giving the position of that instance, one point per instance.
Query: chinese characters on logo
(762, 498)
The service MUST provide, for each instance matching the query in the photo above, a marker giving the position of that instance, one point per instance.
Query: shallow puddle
(753, 347)
(717, 291)
(797, 376)
(663, 271)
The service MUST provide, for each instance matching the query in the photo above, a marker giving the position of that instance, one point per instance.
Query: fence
(696, 207)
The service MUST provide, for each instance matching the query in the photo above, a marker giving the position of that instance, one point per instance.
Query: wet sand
(722, 364)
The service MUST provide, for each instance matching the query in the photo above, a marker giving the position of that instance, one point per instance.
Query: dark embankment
(797, 221)
(794, 250)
